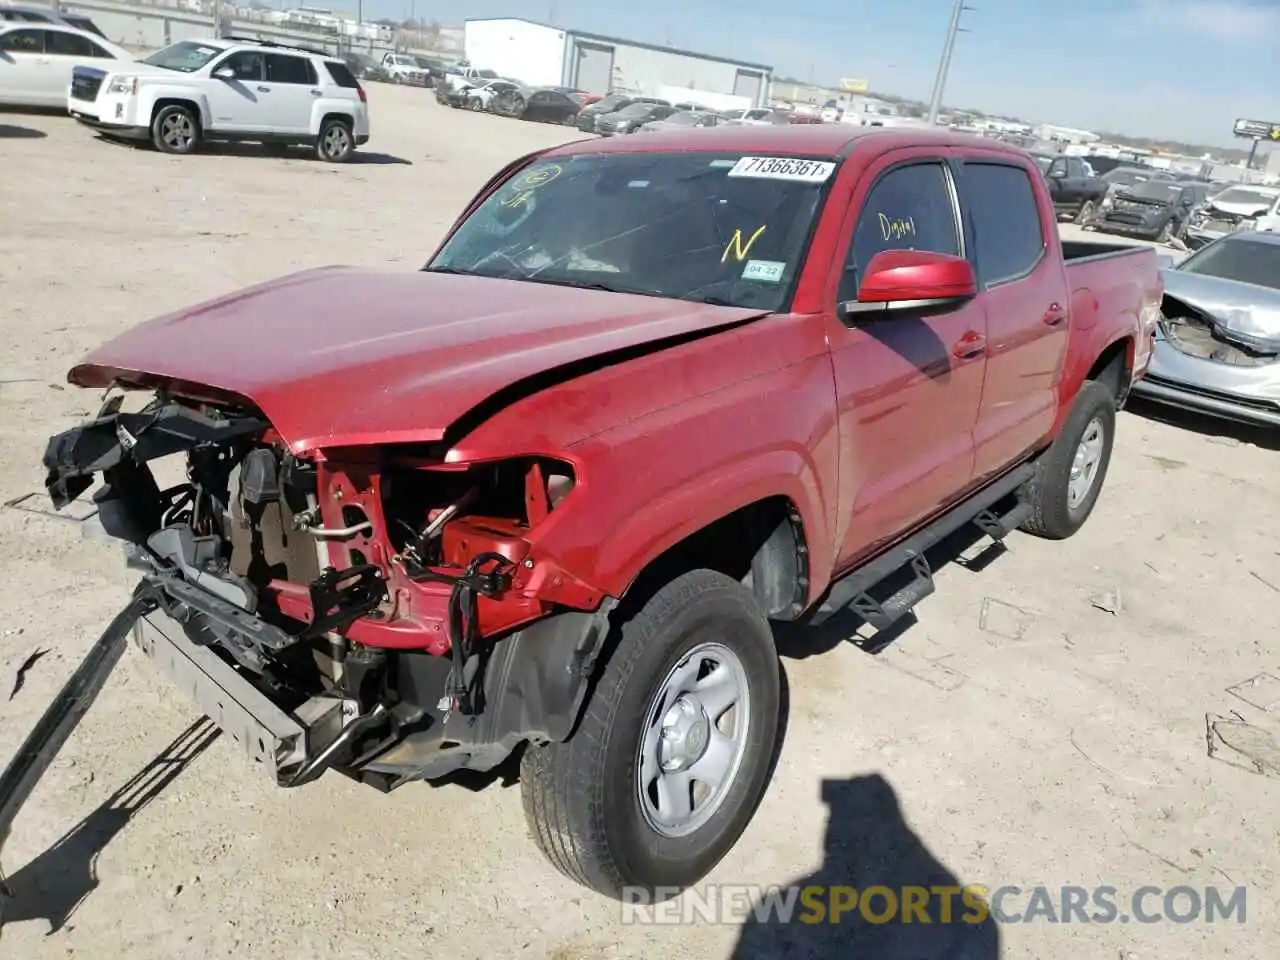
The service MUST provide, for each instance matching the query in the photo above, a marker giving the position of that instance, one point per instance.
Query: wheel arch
(194, 104)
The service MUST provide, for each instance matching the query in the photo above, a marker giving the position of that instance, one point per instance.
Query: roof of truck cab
(815, 140)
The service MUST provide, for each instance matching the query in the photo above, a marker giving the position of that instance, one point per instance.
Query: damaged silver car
(1217, 348)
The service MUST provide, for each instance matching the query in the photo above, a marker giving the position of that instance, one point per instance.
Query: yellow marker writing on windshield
(736, 247)
(519, 199)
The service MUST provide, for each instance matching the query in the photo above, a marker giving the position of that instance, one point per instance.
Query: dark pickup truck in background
(650, 394)
(1075, 191)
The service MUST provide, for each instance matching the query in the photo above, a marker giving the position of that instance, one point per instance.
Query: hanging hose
(464, 620)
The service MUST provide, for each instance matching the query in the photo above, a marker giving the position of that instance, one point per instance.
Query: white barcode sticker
(783, 168)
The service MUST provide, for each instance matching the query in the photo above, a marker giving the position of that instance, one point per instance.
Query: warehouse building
(541, 55)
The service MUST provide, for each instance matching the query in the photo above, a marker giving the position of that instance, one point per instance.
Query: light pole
(940, 83)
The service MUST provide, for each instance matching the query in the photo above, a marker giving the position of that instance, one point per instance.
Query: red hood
(343, 356)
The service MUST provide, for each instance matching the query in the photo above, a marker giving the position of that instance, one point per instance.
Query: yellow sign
(851, 85)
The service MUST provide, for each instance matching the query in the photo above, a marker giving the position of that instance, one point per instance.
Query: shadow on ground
(56, 882)
(1206, 426)
(259, 151)
(10, 132)
(869, 845)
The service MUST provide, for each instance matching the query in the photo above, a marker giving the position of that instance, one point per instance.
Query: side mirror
(226, 73)
(912, 280)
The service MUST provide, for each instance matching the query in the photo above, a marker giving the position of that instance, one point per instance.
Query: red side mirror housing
(916, 277)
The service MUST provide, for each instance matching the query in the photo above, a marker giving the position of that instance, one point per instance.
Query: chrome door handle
(316, 93)
(264, 89)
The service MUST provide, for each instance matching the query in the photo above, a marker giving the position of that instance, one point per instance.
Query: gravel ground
(1044, 723)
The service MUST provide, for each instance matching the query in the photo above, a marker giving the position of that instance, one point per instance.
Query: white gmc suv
(226, 89)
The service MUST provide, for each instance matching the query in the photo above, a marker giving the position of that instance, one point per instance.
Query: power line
(944, 65)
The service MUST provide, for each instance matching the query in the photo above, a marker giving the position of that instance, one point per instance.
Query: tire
(336, 142)
(475, 105)
(1166, 233)
(1089, 431)
(583, 798)
(1087, 210)
(175, 129)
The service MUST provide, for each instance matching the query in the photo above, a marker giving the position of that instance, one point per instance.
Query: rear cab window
(909, 207)
(701, 226)
(1004, 217)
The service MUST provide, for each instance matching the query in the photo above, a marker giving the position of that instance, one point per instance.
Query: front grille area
(85, 86)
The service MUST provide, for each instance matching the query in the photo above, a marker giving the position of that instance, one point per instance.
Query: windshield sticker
(638, 184)
(206, 51)
(740, 250)
(783, 168)
(766, 271)
(721, 164)
(524, 186)
(897, 228)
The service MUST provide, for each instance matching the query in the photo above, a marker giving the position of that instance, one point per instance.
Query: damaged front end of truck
(379, 611)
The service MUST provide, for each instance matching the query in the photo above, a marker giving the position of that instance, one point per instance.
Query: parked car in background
(37, 61)
(365, 67)
(225, 90)
(756, 117)
(458, 78)
(1234, 208)
(632, 117)
(582, 98)
(1217, 348)
(23, 13)
(480, 97)
(434, 67)
(685, 119)
(1076, 194)
(587, 117)
(1155, 210)
(546, 105)
(404, 69)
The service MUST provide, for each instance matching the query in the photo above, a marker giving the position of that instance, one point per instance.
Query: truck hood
(1243, 313)
(341, 356)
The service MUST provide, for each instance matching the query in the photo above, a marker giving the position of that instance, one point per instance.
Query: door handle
(262, 89)
(1054, 316)
(316, 93)
(971, 345)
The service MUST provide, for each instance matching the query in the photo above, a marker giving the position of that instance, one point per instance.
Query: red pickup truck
(547, 493)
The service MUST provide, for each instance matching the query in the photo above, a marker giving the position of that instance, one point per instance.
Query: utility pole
(217, 18)
(944, 65)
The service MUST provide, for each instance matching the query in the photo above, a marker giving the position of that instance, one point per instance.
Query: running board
(853, 591)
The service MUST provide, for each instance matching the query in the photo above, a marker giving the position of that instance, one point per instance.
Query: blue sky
(1131, 66)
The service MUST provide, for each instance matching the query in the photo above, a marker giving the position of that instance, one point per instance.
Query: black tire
(475, 105)
(1166, 233)
(1054, 516)
(582, 798)
(1086, 212)
(175, 129)
(336, 142)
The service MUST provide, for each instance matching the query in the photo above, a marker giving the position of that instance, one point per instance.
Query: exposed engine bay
(1196, 335)
(383, 586)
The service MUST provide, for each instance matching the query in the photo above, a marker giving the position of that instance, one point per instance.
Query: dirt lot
(1042, 724)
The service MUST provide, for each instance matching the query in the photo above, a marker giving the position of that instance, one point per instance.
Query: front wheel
(1070, 474)
(1087, 210)
(674, 748)
(175, 129)
(336, 143)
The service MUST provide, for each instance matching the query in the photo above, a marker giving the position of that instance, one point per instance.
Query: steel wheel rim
(336, 141)
(693, 740)
(1085, 463)
(177, 131)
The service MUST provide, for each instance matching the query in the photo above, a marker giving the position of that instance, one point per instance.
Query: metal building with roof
(539, 54)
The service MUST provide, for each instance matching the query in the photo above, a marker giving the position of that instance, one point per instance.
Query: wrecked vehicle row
(546, 495)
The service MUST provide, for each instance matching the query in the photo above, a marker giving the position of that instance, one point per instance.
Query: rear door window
(910, 207)
(282, 68)
(1007, 233)
(62, 44)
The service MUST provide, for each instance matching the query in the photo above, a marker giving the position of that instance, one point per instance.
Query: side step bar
(852, 592)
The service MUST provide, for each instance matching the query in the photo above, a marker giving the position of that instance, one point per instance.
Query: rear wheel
(1087, 210)
(1071, 472)
(673, 751)
(335, 143)
(1166, 233)
(175, 129)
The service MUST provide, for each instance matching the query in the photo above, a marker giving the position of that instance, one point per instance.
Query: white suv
(226, 89)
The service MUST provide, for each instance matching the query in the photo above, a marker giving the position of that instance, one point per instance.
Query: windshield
(684, 119)
(636, 110)
(1237, 258)
(1255, 198)
(610, 103)
(1163, 191)
(1043, 163)
(185, 56)
(716, 228)
(1126, 177)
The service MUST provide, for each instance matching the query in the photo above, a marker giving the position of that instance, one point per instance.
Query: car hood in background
(340, 356)
(1237, 209)
(1246, 314)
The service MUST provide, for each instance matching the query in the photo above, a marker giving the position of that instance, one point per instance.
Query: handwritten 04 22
(897, 228)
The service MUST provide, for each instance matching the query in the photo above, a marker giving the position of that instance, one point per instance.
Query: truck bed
(1076, 250)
